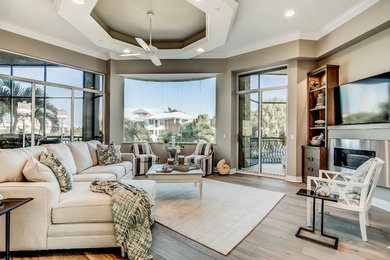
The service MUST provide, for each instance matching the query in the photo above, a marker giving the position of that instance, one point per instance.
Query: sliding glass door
(262, 115)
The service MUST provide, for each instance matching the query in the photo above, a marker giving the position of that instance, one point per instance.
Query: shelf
(318, 89)
(317, 128)
(316, 108)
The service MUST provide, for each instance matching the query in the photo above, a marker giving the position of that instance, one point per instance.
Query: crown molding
(51, 40)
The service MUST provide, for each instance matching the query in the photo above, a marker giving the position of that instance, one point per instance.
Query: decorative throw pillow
(63, 176)
(36, 171)
(358, 177)
(108, 155)
(203, 149)
(141, 148)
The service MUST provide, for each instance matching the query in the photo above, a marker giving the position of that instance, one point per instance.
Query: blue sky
(192, 97)
(61, 97)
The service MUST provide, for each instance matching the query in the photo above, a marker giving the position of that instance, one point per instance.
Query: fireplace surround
(351, 145)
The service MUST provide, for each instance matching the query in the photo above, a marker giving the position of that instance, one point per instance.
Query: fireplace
(351, 158)
(345, 155)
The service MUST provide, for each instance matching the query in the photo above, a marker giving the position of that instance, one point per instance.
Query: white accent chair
(353, 195)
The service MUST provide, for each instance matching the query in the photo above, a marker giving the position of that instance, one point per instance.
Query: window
(150, 107)
(53, 104)
(262, 108)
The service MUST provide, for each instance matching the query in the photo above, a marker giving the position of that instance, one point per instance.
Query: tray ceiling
(257, 24)
(175, 20)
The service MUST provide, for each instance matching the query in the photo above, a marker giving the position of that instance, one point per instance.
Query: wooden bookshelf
(321, 81)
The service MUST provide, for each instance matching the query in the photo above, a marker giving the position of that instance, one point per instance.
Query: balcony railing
(8, 141)
(272, 150)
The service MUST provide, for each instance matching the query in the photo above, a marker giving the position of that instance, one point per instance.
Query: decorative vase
(320, 100)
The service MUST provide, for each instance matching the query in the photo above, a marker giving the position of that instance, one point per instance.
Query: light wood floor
(273, 238)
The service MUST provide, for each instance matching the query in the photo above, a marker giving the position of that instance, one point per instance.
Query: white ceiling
(258, 24)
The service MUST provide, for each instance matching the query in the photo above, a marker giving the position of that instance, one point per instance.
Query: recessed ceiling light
(198, 0)
(289, 13)
(79, 2)
(126, 51)
(200, 50)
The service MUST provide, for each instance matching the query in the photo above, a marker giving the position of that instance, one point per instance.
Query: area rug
(224, 216)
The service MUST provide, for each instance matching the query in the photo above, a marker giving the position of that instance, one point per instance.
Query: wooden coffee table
(194, 176)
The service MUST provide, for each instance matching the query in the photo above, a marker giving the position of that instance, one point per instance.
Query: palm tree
(171, 110)
(21, 94)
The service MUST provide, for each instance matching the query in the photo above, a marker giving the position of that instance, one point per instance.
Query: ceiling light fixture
(289, 13)
(126, 51)
(200, 50)
(129, 54)
(79, 2)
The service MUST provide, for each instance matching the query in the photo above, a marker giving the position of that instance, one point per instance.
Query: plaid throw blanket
(131, 210)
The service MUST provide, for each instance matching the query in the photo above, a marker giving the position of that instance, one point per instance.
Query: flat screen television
(364, 101)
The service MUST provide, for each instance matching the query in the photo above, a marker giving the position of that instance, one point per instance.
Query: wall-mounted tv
(364, 101)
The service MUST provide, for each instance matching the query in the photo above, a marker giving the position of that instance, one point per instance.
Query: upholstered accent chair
(355, 190)
(143, 157)
(204, 155)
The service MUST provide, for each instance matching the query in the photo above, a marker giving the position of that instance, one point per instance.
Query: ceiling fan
(150, 50)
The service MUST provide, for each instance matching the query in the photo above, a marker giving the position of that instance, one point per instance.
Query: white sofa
(78, 218)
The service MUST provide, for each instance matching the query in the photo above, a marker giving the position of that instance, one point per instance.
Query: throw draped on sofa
(204, 155)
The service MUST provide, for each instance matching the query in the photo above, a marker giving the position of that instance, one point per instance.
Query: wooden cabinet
(314, 159)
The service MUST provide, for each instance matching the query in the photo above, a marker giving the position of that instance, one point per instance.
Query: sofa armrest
(130, 157)
(30, 222)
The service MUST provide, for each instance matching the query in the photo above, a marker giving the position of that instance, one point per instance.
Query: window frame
(184, 121)
(44, 84)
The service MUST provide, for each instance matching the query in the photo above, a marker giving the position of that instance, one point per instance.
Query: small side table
(311, 194)
(6, 206)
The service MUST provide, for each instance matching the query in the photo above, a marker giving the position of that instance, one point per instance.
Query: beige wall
(36, 49)
(366, 58)
(364, 25)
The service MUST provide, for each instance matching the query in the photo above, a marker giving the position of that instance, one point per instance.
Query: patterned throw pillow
(108, 155)
(358, 177)
(62, 174)
(141, 148)
(203, 149)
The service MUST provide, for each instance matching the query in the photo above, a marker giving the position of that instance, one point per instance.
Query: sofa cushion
(63, 152)
(36, 171)
(88, 177)
(81, 205)
(194, 158)
(12, 162)
(118, 170)
(108, 155)
(143, 158)
(81, 155)
(127, 165)
(92, 147)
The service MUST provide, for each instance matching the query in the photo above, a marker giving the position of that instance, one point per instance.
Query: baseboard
(293, 178)
(382, 204)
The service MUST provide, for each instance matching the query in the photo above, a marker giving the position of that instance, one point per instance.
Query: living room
(238, 90)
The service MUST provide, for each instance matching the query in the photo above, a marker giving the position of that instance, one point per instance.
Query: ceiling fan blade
(143, 44)
(156, 61)
(129, 54)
